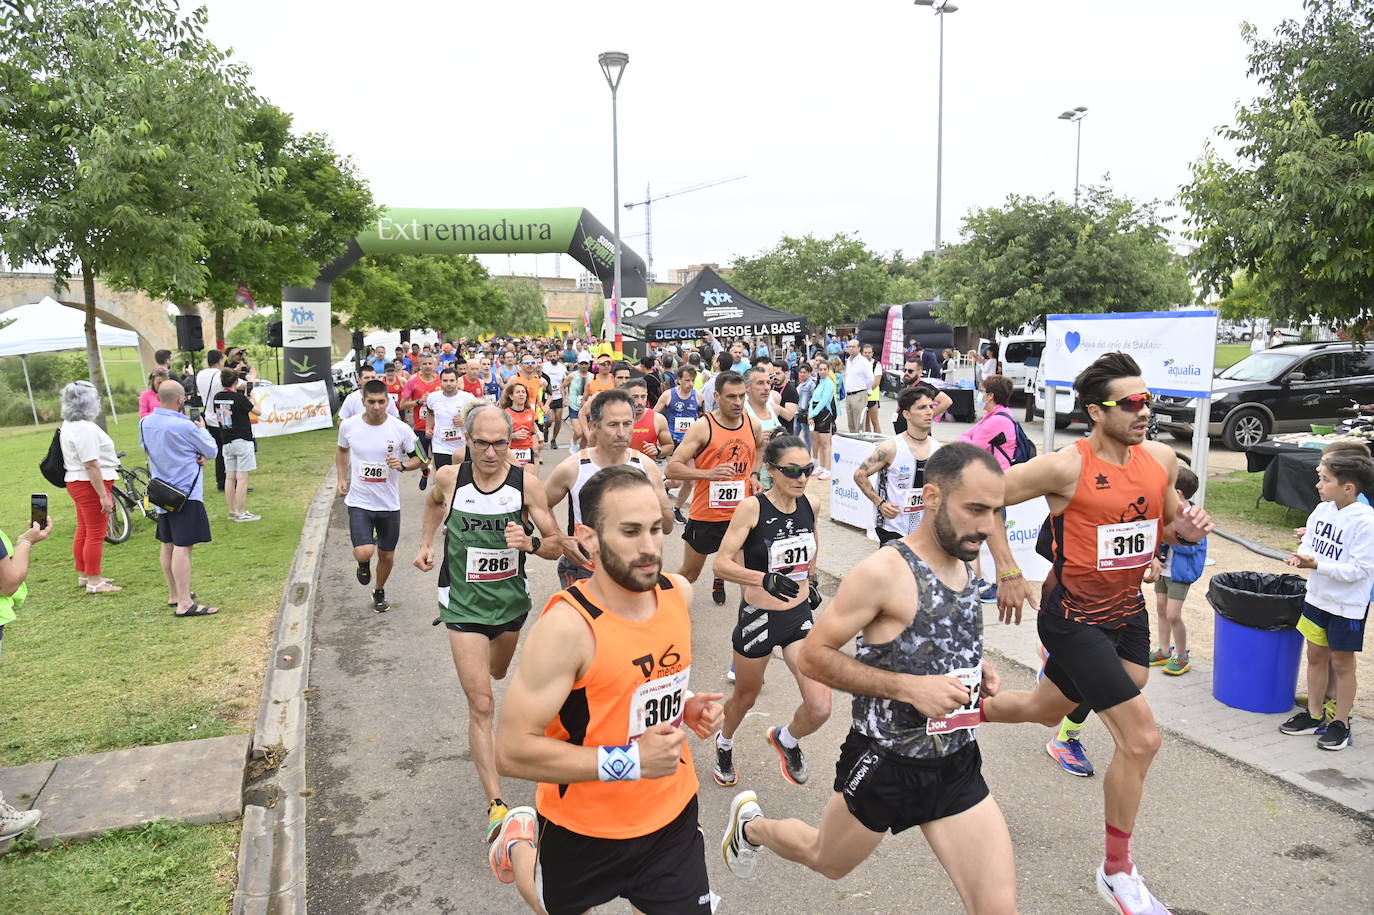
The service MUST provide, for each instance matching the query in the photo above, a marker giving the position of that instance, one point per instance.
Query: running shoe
(1071, 756)
(424, 479)
(364, 573)
(16, 822)
(793, 762)
(718, 591)
(1127, 893)
(1044, 659)
(1301, 723)
(730, 674)
(496, 814)
(379, 602)
(988, 594)
(1335, 737)
(247, 516)
(677, 516)
(1159, 657)
(739, 852)
(1178, 666)
(518, 826)
(725, 774)
(822, 474)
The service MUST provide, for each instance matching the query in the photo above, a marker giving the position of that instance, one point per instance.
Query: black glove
(780, 586)
(814, 598)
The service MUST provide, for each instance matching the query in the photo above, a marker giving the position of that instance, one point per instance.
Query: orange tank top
(522, 450)
(716, 500)
(638, 679)
(644, 432)
(1105, 538)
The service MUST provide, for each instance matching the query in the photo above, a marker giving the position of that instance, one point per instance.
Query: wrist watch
(535, 543)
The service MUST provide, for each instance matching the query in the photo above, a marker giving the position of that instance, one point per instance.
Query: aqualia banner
(1175, 349)
(287, 408)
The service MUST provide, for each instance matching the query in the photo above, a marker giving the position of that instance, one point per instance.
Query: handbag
(163, 494)
(53, 468)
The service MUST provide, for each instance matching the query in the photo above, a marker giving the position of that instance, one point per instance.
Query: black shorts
(885, 535)
(824, 421)
(886, 791)
(555, 404)
(704, 536)
(569, 574)
(1085, 660)
(366, 527)
(486, 629)
(186, 527)
(441, 459)
(758, 632)
(663, 873)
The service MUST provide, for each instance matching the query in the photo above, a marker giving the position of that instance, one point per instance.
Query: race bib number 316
(1128, 545)
(966, 717)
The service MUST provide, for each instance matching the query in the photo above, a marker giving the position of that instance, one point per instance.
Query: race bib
(1128, 545)
(522, 455)
(791, 556)
(964, 718)
(450, 435)
(682, 423)
(914, 500)
(658, 701)
(373, 472)
(424, 412)
(725, 493)
(492, 565)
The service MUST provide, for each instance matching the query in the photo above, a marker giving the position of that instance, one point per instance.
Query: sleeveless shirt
(481, 580)
(522, 452)
(681, 413)
(716, 500)
(944, 637)
(644, 431)
(782, 542)
(638, 679)
(586, 469)
(900, 483)
(1105, 537)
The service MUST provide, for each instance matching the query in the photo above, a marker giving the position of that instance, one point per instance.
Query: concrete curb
(271, 868)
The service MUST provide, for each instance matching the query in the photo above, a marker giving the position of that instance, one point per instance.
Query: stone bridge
(137, 311)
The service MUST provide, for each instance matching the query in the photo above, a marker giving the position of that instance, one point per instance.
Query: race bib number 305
(965, 717)
(1128, 545)
(725, 493)
(491, 565)
(658, 701)
(373, 472)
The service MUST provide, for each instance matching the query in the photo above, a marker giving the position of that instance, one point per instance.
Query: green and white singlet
(481, 579)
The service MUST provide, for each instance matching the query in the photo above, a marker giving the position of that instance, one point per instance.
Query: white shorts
(239, 456)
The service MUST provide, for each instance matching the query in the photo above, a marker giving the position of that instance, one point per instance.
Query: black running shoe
(793, 763)
(725, 774)
(1301, 723)
(677, 515)
(364, 573)
(424, 479)
(718, 591)
(379, 602)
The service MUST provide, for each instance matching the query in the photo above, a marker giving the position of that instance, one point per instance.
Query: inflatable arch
(564, 230)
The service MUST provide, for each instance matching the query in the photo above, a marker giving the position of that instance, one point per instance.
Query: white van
(1019, 354)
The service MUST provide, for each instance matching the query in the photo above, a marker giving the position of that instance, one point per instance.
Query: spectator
(930, 361)
(177, 450)
(823, 411)
(147, 401)
(14, 568)
(235, 414)
(207, 383)
(996, 431)
(805, 385)
(989, 362)
(162, 359)
(858, 378)
(1257, 344)
(88, 455)
(1276, 339)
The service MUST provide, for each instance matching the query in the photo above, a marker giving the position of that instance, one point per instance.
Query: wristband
(1007, 576)
(618, 764)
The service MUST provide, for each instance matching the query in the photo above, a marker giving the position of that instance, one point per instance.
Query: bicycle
(130, 495)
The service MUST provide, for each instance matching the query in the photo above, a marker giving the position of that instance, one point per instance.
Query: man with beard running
(597, 714)
(901, 464)
(610, 420)
(1112, 499)
(649, 435)
(911, 758)
(725, 447)
(413, 398)
(486, 505)
(447, 407)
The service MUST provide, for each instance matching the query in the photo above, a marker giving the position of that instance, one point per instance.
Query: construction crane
(648, 204)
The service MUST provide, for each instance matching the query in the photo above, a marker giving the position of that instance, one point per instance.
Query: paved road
(397, 817)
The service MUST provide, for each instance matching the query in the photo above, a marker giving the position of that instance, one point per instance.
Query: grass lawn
(87, 673)
(160, 867)
(1231, 498)
(1228, 354)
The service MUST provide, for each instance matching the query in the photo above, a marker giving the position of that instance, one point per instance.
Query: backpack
(1025, 448)
(53, 468)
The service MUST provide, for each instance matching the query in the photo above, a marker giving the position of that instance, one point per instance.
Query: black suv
(1284, 389)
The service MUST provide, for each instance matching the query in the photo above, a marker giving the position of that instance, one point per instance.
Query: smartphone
(38, 509)
(193, 413)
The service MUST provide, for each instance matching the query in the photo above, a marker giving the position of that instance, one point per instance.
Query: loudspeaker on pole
(190, 337)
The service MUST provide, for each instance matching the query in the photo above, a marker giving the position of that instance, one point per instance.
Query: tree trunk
(92, 342)
(219, 324)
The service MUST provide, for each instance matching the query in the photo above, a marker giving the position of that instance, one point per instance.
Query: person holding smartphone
(235, 413)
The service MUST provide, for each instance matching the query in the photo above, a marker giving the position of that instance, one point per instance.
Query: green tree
(440, 291)
(251, 331)
(909, 280)
(829, 280)
(1244, 303)
(525, 312)
(121, 148)
(1039, 255)
(1292, 207)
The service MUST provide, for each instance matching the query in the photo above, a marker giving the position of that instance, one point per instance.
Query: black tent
(710, 303)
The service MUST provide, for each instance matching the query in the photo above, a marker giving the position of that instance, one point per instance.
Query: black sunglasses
(793, 472)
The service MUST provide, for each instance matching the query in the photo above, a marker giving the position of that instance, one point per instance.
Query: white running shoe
(15, 822)
(1126, 893)
(738, 851)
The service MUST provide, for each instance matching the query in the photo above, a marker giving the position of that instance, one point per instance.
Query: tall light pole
(1076, 116)
(941, 7)
(613, 66)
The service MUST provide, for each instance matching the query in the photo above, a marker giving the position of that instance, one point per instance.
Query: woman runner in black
(770, 550)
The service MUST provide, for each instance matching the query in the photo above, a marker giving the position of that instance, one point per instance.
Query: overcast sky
(828, 108)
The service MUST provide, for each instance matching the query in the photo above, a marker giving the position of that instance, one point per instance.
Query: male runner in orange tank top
(1112, 500)
(596, 714)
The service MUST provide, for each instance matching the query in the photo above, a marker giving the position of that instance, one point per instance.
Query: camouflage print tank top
(944, 637)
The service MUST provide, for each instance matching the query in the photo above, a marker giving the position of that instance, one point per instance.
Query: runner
(649, 434)
(526, 442)
(601, 696)
(395, 384)
(727, 449)
(681, 405)
(413, 398)
(1112, 498)
(574, 390)
(770, 550)
(911, 757)
(611, 419)
(900, 462)
(374, 449)
(486, 506)
(554, 373)
(471, 381)
(447, 407)
(353, 404)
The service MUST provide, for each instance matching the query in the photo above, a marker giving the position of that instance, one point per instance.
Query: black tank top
(781, 542)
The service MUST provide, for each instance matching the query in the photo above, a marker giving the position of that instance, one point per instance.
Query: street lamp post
(941, 7)
(613, 67)
(1076, 116)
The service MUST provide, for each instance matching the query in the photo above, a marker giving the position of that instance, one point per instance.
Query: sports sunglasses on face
(1132, 404)
(793, 472)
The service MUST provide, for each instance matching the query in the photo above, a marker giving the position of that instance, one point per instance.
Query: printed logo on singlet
(733, 454)
(1102, 482)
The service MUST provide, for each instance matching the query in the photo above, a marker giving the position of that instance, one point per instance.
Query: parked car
(1285, 389)
(1065, 413)
(1018, 356)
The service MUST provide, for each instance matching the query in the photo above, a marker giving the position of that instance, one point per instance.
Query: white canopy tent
(49, 327)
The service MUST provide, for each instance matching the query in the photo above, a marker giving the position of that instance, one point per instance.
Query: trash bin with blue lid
(1257, 645)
